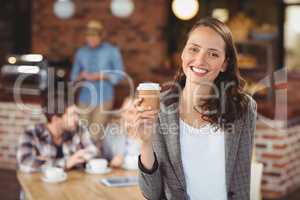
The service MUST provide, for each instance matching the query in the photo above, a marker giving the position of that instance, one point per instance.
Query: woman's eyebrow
(211, 49)
(196, 45)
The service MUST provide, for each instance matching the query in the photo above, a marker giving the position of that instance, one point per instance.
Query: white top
(203, 159)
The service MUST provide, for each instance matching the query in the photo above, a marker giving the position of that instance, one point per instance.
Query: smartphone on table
(120, 181)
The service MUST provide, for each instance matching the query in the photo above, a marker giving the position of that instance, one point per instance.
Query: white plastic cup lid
(148, 86)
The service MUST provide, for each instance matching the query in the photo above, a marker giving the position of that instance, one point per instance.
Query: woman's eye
(193, 50)
(212, 54)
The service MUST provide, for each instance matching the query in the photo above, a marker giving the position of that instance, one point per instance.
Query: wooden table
(78, 186)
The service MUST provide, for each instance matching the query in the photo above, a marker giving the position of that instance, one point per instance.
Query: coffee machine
(25, 74)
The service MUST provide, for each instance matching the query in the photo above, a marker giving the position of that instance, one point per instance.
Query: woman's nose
(200, 58)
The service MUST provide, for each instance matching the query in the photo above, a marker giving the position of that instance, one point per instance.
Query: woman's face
(203, 56)
(70, 119)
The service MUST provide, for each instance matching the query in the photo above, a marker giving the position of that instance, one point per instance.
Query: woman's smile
(199, 71)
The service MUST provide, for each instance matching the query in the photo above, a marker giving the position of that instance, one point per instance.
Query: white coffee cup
(97, 165)
(131, 162)
(53, 173)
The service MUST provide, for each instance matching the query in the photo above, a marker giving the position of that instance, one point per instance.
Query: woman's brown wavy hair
(236, 101)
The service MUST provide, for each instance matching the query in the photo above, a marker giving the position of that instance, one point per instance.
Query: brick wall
(279, 151)
(13, 120)
(140, 37)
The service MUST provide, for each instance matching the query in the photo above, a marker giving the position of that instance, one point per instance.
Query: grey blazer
(168, 181)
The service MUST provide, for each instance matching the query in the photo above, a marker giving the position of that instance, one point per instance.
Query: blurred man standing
(98, 66)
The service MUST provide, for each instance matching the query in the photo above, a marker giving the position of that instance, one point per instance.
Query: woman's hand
(117, 161)
(140, 122)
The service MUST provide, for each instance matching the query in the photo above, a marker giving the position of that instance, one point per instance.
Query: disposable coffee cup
(150, 92)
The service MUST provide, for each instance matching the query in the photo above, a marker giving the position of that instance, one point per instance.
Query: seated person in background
(62, 142)
(117, 146)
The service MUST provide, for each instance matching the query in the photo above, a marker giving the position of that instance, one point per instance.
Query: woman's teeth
(199, 70)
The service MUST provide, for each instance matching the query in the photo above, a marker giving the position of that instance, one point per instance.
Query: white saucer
(98, 172)
(63, 178)
(126, 167)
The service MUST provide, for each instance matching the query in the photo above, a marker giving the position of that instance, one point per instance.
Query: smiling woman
(200, 147)
(204, 54)
(210, 58)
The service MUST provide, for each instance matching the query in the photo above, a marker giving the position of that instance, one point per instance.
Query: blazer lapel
(172, 139)
(232, 138)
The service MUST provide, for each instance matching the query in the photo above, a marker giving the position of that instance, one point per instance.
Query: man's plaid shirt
(37, 150)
